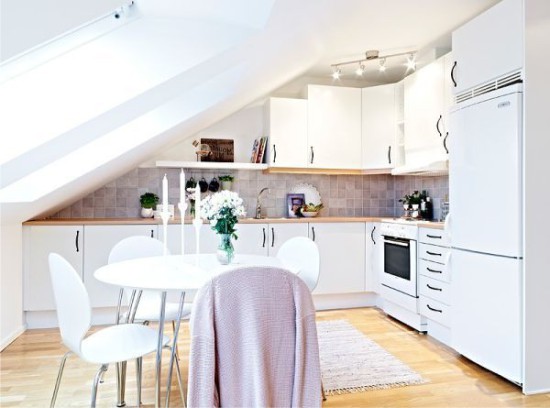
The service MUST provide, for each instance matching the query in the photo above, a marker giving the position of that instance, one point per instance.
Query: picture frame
(293, 202)
(222, 150)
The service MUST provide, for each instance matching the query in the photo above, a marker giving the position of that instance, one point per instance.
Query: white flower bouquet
(223, 209)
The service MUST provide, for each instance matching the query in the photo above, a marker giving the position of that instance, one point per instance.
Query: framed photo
(293, 203)
(222, 150)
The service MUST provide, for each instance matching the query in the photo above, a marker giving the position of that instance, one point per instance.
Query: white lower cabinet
(39, 242)
(434, 283)
(100, 239)
(374, 257)
(208, 241)
(342, 250)
(266, 239)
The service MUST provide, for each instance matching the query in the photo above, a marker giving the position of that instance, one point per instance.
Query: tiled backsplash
(367, 195)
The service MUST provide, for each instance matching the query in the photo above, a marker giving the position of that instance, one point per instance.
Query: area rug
(351, 362)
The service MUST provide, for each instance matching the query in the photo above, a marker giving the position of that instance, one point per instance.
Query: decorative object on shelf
(223, 210)
(371, 55)
(202, 150)
(311, 210)
(294, 204)
(311, 194)
(258, 150)
(227, 181)
(222, 150)
(148, 202)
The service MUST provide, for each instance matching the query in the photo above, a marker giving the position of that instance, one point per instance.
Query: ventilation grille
(513, 78)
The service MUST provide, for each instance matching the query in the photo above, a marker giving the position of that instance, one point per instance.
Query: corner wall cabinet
(334, 127)
(489, 46)
(379, 128)
(39, 242)
(286, 127)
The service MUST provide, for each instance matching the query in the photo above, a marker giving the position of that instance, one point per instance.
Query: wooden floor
(29, 367)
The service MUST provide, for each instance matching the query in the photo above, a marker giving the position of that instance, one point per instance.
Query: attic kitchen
(359, 147)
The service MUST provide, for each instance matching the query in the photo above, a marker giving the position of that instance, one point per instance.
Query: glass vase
(225, 252)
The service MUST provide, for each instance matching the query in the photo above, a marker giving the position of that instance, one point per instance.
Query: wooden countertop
(152, 221)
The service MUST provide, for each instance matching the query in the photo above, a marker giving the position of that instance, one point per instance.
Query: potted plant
(226, 181)
(148, 202)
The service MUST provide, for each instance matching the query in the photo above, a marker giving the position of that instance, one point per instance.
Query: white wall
(537, 197)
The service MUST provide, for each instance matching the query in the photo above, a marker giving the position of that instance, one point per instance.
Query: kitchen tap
(258, 205)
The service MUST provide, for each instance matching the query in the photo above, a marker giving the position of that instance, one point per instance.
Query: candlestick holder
(197, 223)
(165, 216)
(183, 208)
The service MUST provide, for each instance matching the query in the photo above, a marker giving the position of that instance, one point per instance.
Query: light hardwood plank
(29, 368)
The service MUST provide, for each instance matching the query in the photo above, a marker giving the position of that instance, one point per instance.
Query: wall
(367, 195)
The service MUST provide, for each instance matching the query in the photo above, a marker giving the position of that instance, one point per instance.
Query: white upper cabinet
(426, 109)
(488, 47)
(379, 126)
(287, 131)
(334, 127)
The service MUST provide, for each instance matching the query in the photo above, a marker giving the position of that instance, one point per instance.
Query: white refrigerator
(485, 227)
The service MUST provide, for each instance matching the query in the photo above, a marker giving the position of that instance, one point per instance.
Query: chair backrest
(303, 253)
(138, 246)
(254, 341)
(71, 301)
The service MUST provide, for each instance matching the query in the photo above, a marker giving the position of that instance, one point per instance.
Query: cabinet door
(287, 131)
(375, 251)
(424, 114)
(279, 233)
(342, 252)
(379, 126)
(100, 239)
(489, 46)
(253, 239)
(334, 127)
(40, 241)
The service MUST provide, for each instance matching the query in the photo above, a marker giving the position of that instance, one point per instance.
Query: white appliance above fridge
(485, 226)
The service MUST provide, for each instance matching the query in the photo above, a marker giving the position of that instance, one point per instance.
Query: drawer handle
(433, 288)
(433, 270)
(434, 310)
(434, 236)
(433, 253)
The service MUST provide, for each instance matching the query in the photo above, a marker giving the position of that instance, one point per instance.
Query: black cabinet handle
(274, 154)
(434, 236)
(433, 253)
(445, 142)
(152, 234)
(437, 125)
(76, 240)
(263, 244)
(389, 154)
(433, 288)
(313, 233)
(433, 270)
(372, 235)
(312, 154)
(272, 237)
(453, 74)
(434, 310)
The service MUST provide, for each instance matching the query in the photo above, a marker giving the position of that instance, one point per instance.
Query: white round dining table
(181, 273)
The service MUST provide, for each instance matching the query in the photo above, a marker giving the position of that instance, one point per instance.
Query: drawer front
(434, 289)
(434, 253)
(433, 236)
(434, 270)
(436, 311)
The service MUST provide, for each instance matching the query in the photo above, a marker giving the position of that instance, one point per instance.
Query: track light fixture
(373, 55)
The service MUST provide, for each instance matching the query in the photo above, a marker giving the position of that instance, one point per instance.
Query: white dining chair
(303, 253)
(109, 345)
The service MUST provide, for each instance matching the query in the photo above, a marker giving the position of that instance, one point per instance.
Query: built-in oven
(400, 264)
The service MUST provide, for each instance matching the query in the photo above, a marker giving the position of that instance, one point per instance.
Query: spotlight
(411, 63)
(382, 66)
(360, 70)
(336, 73)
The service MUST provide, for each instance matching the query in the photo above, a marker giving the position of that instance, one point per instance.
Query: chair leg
(323, 392)
(97, 379)
(139, 373)
(59, 375)
(174, 331)
(180, 382)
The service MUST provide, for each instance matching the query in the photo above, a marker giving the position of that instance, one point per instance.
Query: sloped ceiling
(172, 68)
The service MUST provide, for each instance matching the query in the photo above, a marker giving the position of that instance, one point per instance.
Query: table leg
(120, 379)
(159, 349)
(173, 352)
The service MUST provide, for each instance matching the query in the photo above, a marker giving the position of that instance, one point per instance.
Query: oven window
(397, 260)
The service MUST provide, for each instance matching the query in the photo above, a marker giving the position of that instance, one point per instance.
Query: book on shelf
(261, 150)
(254, 154)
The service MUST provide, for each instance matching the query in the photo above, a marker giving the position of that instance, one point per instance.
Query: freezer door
(485, 176)
(486, 311)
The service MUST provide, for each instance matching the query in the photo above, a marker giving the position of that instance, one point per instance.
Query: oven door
(400, 265)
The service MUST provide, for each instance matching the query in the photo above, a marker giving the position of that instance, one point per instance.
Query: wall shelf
(210, 165)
